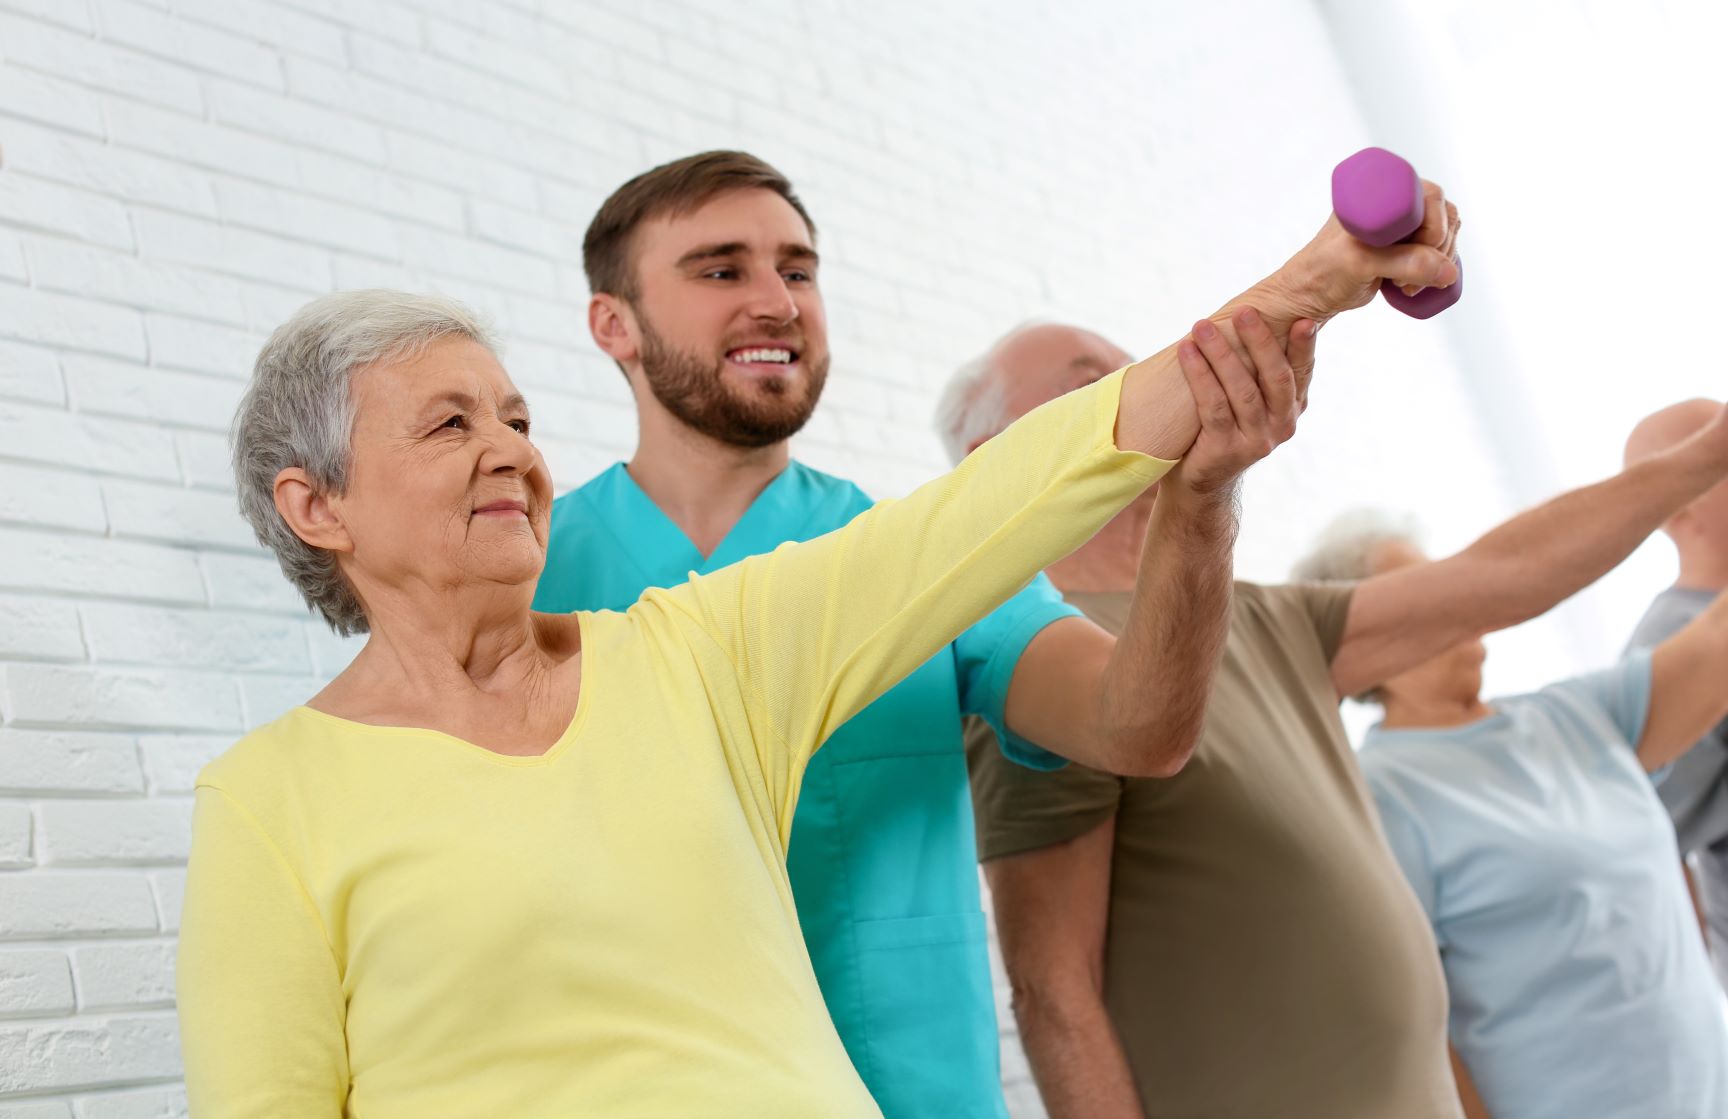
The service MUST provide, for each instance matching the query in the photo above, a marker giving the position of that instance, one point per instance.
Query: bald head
(1028, 366)
(1036, 364)
(1663, 430)
(1700, 530)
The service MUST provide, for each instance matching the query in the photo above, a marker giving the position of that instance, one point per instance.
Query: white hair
(1344, 550)
(298, 411)
(973, 407)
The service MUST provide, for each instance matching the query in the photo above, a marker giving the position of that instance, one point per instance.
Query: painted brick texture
(176, 176)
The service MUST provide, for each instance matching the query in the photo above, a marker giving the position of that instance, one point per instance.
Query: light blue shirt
(882, 859)
(1549, 872)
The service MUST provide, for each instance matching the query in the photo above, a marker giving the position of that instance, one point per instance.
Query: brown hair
(673, 189)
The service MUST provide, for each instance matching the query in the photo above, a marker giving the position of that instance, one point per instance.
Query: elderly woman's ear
(309, 512)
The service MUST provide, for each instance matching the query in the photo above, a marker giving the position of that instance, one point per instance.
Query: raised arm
(1526, 566)
(1052, 906)
(1687, 694)
(1332, 274)
(1134, 705)
(817, 631)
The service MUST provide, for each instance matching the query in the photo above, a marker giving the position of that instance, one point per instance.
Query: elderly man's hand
(1248, 404)
(1335, 272)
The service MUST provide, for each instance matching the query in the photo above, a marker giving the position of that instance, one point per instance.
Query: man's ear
(309, 513)
(613, 325)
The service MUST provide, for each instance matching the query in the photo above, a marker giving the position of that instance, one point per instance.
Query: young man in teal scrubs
(704, 280)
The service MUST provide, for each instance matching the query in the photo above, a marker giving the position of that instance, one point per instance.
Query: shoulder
(584, 498)
(818, 486)
(1669, 612)
(1305, 599)
(271, 761)
(1618, 695)
(1287, 609)
(1410, 777)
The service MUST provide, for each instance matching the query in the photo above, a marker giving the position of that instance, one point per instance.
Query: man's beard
(696, 393)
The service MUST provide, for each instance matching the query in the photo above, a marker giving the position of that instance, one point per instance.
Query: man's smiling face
(733, 337)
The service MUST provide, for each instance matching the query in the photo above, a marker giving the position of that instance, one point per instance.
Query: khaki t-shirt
(1265, 957)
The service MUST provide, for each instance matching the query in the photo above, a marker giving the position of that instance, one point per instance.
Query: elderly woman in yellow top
(513, 864)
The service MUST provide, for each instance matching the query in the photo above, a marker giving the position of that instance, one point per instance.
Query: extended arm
(909, 576)
(1526, 566)
(1052, 906)
(1332, 274)
(1687, 696)
(1135, 705)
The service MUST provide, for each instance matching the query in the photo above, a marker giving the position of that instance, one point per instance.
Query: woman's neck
(1427, 712)
(453, 657)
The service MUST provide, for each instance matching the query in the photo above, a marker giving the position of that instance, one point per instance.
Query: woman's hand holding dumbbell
(1340, 269)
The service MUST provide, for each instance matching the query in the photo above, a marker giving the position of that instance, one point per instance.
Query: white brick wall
(177, 175)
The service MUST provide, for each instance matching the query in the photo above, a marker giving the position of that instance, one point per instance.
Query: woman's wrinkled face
(1453, 676)
(445, 491)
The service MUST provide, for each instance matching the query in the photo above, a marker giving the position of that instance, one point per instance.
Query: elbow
(1046, 1003)
(1159, 750)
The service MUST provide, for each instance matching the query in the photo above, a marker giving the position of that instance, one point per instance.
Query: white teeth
(782, 356)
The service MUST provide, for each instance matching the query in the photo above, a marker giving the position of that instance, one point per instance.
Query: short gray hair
(974, 406)
(298, 411)
(1344, 550)
(1344, 553)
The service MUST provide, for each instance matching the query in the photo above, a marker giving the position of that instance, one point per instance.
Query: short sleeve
(1622, 692)
(1328, 608)
(1399, 820)
(987, 654)
(1019, 809)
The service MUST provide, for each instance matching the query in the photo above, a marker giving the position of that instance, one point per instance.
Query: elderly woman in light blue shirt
(1530, 832)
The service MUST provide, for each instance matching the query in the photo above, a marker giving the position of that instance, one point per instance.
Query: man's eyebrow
(1087, 361)
(791, 250)
(515, 402)
(711, 252)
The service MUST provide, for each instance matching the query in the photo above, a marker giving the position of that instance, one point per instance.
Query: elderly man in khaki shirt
(1236, 941)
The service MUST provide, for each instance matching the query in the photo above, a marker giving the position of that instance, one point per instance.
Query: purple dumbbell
(1378, 198)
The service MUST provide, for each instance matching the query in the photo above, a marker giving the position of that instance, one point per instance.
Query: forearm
(1076, 1057)
(1547, 554)
(905, 577)
(1155, 688)
(1686, 695)
(1158, 416)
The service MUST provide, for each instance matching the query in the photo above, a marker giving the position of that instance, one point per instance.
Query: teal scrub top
(882, 858)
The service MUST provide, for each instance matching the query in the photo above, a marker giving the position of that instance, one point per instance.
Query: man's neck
(1110, 561)
(1702, 570)
(1432, 714)
(702, 484)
